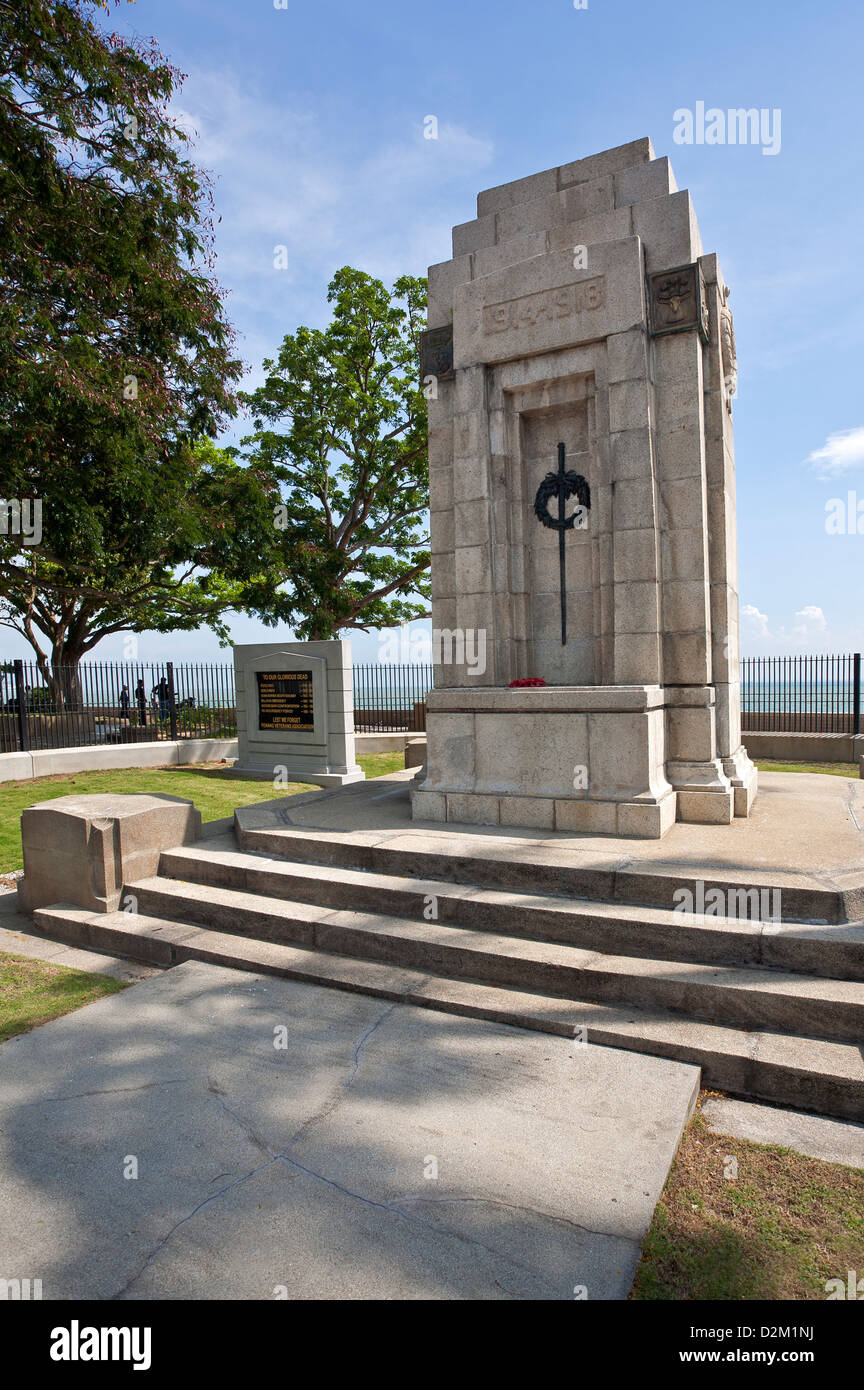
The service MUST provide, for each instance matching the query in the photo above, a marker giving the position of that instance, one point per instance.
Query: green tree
(203, 559)
(115, 354)
(340, 426)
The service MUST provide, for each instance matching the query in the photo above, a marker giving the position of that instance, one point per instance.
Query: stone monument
(580, 364)
(295, 712)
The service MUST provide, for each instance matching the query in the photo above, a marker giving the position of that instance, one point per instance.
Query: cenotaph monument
(580, 364)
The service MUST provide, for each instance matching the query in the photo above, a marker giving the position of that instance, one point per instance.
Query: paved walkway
(311, 1167)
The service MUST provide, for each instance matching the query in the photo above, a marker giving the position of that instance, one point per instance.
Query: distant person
(124, 702)
(163, 693)
(141, 701)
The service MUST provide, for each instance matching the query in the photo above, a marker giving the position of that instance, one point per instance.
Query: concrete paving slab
(835, 1141)
(310, 1167)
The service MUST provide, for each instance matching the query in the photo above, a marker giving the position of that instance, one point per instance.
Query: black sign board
(285, 701)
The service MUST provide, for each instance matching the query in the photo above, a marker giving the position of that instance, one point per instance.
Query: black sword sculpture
(562, 485)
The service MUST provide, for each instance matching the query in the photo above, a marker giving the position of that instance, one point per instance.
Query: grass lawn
(835, 769)
(214, 792)
(779, 1230)
(34, 992)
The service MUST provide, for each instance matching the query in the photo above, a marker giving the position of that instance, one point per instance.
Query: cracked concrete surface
(307, 1171)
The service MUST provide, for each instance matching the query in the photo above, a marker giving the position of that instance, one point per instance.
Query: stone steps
(836, 952)
(740, 996)
(807, 1073)
(547, 869)
(771, 1010)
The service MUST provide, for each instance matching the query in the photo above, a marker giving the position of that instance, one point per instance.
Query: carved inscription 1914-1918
(524, 312)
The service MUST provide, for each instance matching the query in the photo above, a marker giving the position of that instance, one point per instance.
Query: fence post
(856, 693)
(172, 706)
(21, 707)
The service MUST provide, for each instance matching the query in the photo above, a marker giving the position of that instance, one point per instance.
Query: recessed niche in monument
(573, 662)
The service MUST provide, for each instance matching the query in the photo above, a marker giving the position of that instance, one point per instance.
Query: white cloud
(810, 620)
(840, 453)
(810, 629)
(756, 622)
(286, 177)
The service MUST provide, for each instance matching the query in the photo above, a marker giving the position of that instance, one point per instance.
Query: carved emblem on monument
(730, 356)
(436, 353)
(563, 485)
(677, 300)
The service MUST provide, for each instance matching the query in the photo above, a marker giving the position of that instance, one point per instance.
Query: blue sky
(310, 118)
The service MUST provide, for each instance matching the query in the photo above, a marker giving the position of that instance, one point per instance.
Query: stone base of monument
(742, 773)
(739, 950)
(576, 758)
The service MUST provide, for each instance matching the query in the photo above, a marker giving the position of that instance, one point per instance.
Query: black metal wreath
(573, 484)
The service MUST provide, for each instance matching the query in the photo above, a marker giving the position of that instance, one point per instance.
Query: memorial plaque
(285, 701)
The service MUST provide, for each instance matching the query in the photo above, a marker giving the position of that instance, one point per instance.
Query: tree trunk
(65, 682)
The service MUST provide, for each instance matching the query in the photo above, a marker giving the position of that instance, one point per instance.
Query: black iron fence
(113, 702)
(801, 694)
(132, 702)
(391, 698)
